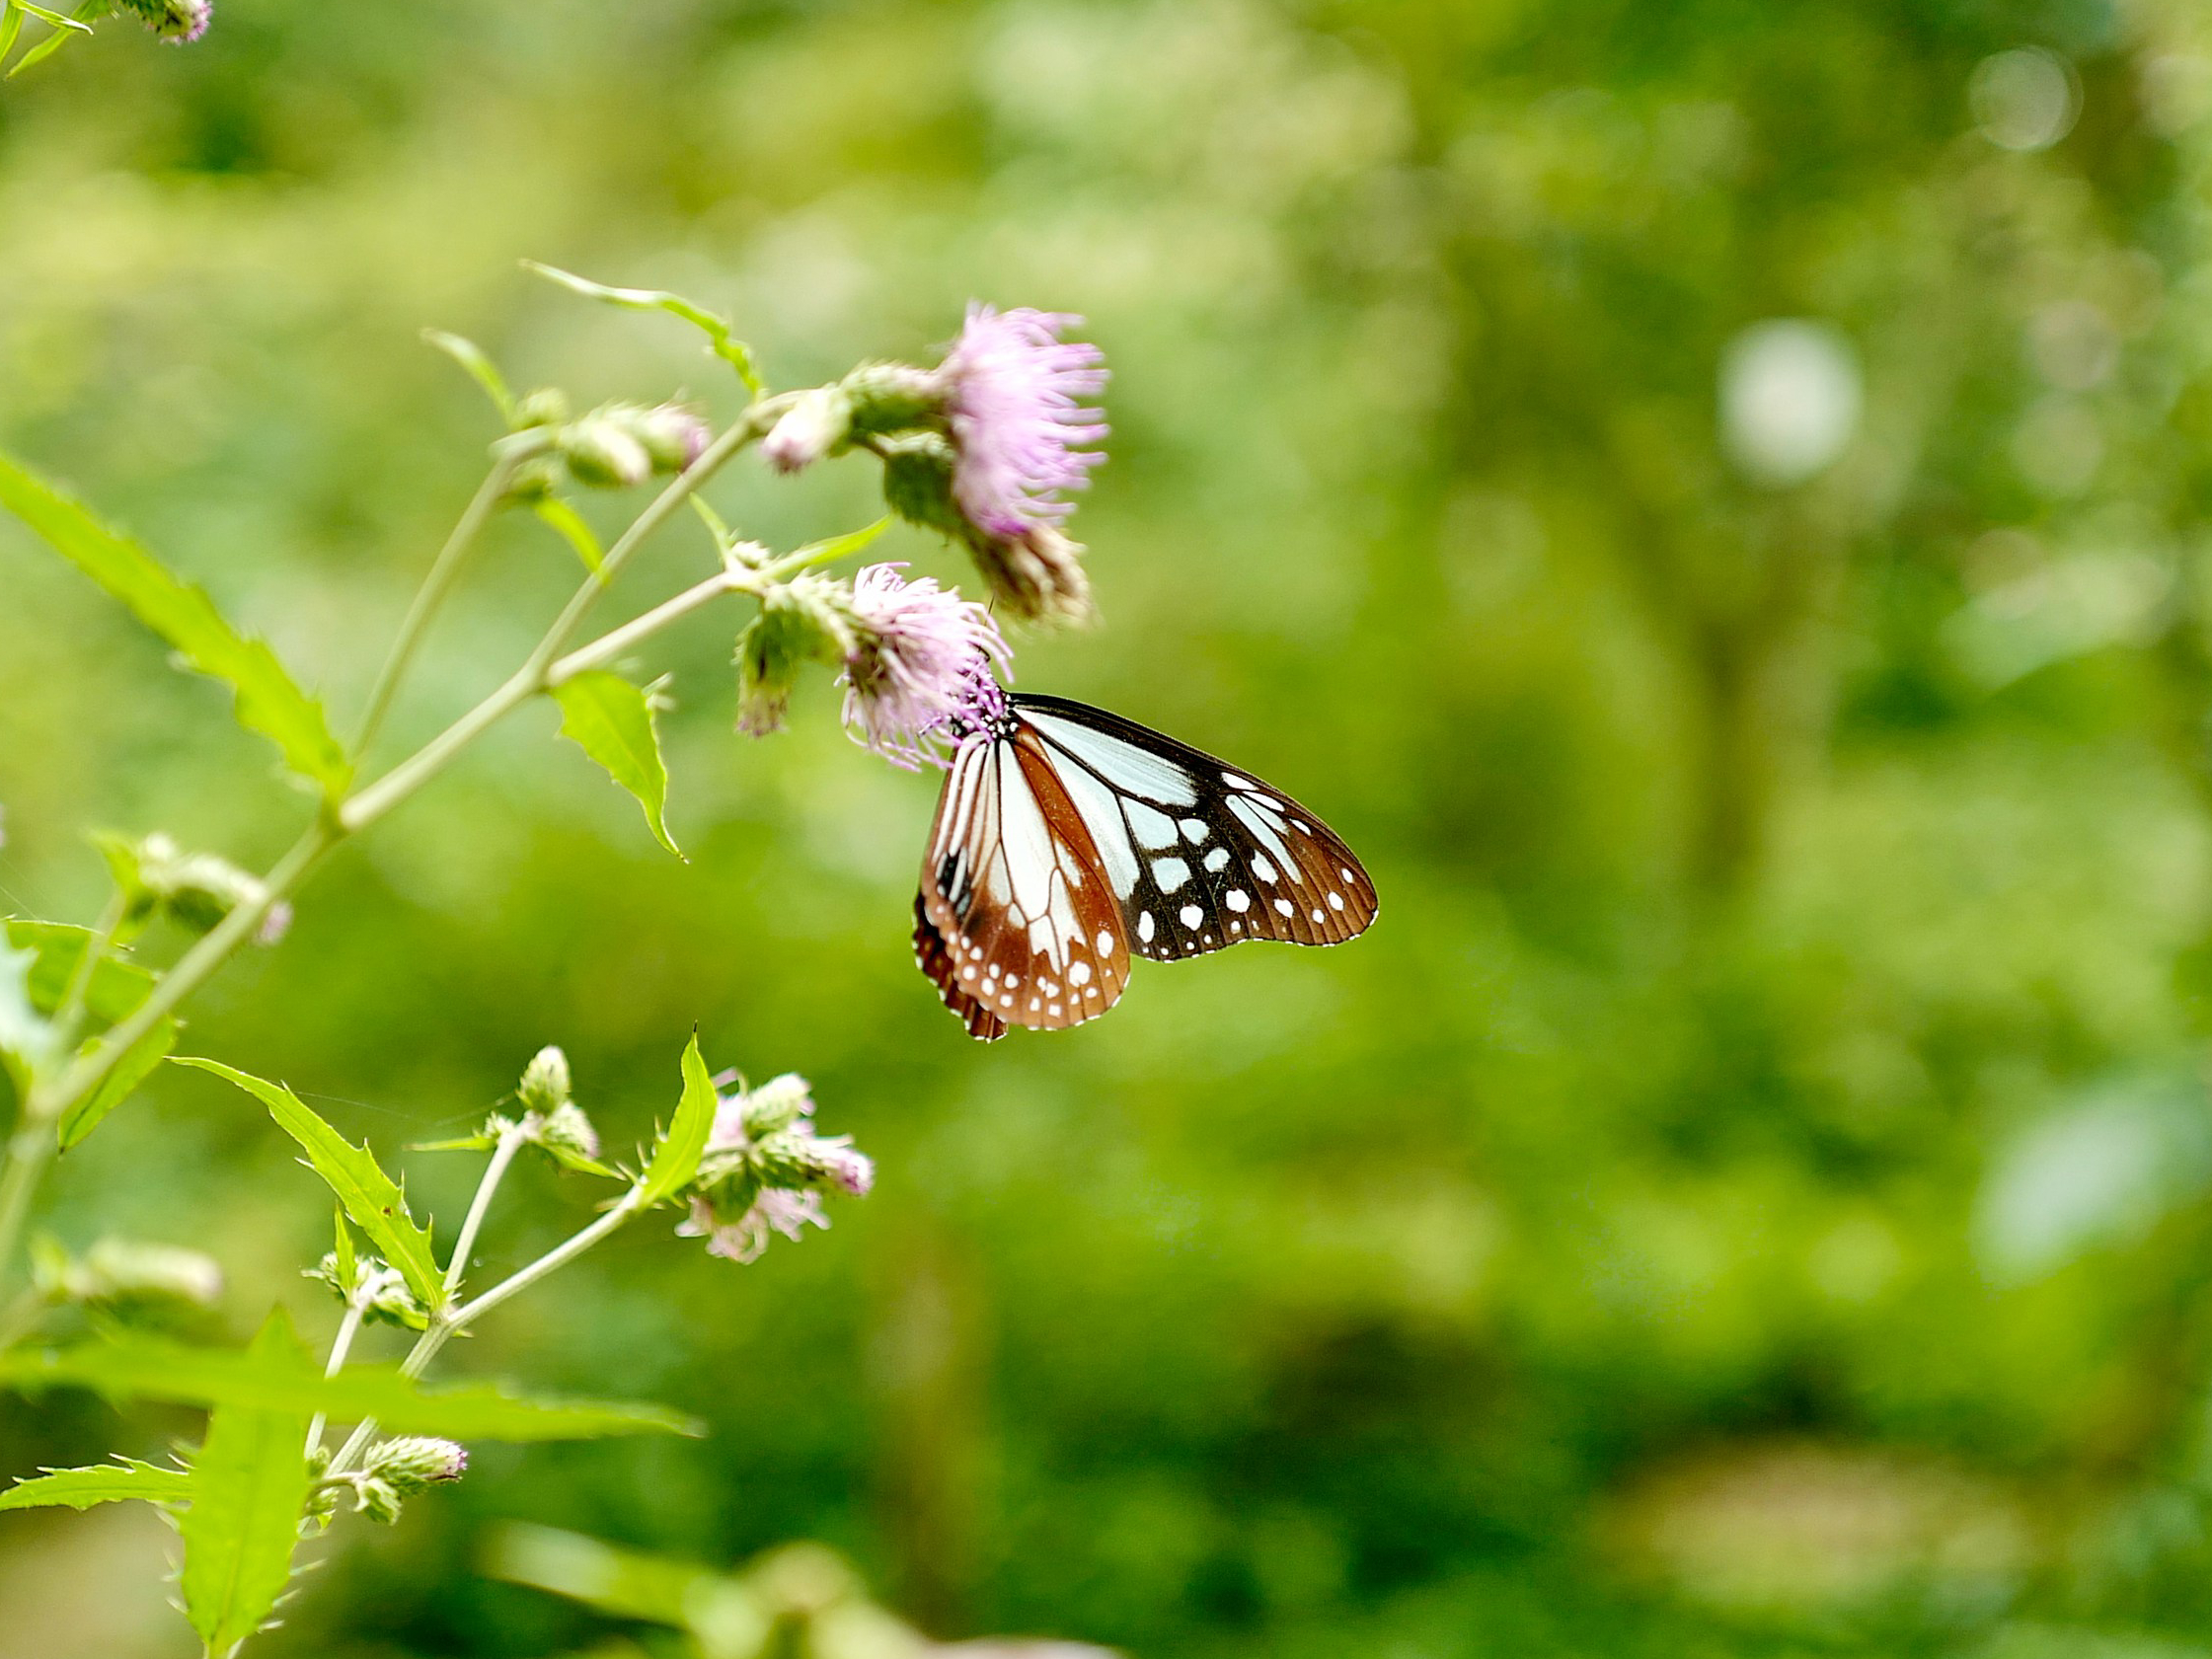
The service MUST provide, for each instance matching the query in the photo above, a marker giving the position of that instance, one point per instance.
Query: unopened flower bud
(117, 1271)
(813, 427)
(545, 1082)
(377, 1499)
(603, 453)
(196, 889)
(1037, 575)
(567, 1129)
(179, 21)
(776, 1104)
(893, 397)
(808, 616)
(380, 1292)
(673, 436)
(535, 480)
(918, 482)
(798, 1158)
(416, 1462)
(548, 405)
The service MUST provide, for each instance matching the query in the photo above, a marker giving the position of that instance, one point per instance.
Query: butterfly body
(1068, 840)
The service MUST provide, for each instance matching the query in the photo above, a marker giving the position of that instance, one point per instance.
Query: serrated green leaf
(372, 1198)
(732, 352)
(569, 525)
(148, 1367)
(132, 1067)
(267, 701)
(676, 1159)
(249, 1484)
(80, 1489)
(117, 986)
(609, 720)
(479, 367)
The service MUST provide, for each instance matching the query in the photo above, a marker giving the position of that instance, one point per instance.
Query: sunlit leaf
(372, 1198)
(267, 701)
(249, 1483)
(732, 352)
(147, 1367)
(117, 985)
(609, 718)
(569, 525)
(618, 1582)
(675, 1160)
(479, 367)
(131, 1068)
(80, 1489)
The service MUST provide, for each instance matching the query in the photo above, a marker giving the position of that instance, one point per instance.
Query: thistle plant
(178, 22)
(984, 447)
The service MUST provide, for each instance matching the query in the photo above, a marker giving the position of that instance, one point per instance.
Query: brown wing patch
(1015, 924)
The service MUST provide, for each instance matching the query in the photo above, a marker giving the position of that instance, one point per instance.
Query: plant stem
(494, 1172)
(348, 1329)
(611, 645)
(436, 585)
(445, 1325)
(71, 1013)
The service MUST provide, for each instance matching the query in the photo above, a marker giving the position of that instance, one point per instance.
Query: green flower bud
(567, 1129)
(918, 483)
(536, 480)
(378, 1499)
(807, 617)
(777, 1105)
(548, 405)
(603, 452)
(893, 397)
(116, 1272)
(545, 1083)
(818, 425)
(414, 1463)
(673, 436)
(156, 876)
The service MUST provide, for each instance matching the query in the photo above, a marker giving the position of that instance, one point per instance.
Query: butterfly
(1068, 840)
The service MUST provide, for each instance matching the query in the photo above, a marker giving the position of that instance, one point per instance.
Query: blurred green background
(1751, 1194)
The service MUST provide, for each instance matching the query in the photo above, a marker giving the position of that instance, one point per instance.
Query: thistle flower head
(179, 21)
(742, 1239)
(416, 1462)
(1012, 404)
(918, 653)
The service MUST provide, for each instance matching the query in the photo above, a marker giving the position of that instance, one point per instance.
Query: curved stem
(341, 1345)
(71, 1013)
(494, 1172)
(436, 585)
(611, 645)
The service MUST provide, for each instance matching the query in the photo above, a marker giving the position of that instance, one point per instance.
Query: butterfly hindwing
(1016, 923)
(1201, 854)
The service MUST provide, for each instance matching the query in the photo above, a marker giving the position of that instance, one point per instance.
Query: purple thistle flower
(179, 21)
(1013, 391)
(923, 656)
(848, 1168)
(776, 1210)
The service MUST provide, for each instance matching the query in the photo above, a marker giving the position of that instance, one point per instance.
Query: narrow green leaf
(467, 1143)
(479, 367)
(372, 1198)
(676, 1159)
(11, 26)
(57, 20)
(832, 551)
(132, 1069)
(117, 986)
(267, 701)
(42, 51)
(81, 1489)
(249, 1484)
(567, 523)
(734, 353)
(716, 526)
(135, 1366)
(609, 720)
(616, 1582)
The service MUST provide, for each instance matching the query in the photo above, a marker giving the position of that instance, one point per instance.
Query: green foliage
(611, 721)
(376, 1201)
(55, 952)
(569, 524)
(719, 341)
(268, 1379)
(131, 1068)
(249, 1484)
(81, 1489)
(675, 1157)
(478, 367)
(26, 1038)
(267, 702)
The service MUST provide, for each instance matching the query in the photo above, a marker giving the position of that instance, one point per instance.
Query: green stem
(445, 1325)
(437, 584)
(341, 1345)
(494, 1171)
(613, 643)
(71, 1013)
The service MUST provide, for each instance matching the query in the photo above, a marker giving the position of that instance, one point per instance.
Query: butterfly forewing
(1016, 923)
(1201, 855)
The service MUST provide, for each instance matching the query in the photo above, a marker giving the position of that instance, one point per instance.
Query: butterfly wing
(1016, 923)
(1201, 855)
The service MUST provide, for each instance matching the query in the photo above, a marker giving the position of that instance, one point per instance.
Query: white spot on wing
(1105, 943)
(1194, 830)
(1217, 859)
(1144, 926)
(1283, 905)
(1193, 916)
(1239, 899)
(1169, 873)
(1078, 974)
